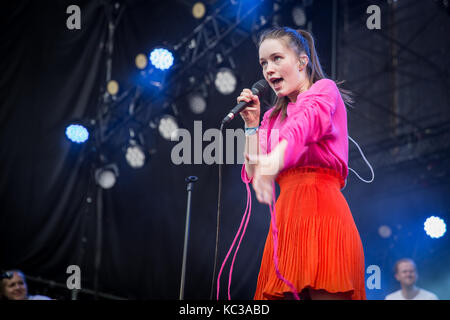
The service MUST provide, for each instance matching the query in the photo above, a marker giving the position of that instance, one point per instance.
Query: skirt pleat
(319, 246)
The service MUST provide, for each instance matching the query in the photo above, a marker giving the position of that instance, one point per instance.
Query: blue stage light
(77, 133)
(435, 227)
(161, 58)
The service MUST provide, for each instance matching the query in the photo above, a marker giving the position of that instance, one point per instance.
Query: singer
(320, 253)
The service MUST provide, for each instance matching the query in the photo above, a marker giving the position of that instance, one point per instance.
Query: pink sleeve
(311, 123)
(263, 126)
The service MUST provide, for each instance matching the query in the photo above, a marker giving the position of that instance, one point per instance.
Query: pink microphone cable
(274, 228)
(240, 240)
(245, 218)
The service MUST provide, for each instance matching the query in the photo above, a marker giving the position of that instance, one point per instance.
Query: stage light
(299, 16)
(198, 10)
(384, 231)
(112, 87)
(167, 126)
(197, 103)
(77, 133)
(161, 58)
(141, 61)
(106, 177)
(435, 227)
(135, 156)
(225, 81)
(153, 76)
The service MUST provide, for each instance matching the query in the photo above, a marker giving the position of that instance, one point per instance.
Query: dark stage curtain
(50, 75)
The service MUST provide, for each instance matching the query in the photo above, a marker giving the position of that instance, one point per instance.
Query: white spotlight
(197, 103)
(135, 156)
(167, 126)
(161, 58)
(106, 177)
(435, 227)
(225, 81)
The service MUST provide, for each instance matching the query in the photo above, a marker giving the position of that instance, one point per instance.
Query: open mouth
(276, 83)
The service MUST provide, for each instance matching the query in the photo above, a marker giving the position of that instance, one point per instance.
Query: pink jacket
(315, 129)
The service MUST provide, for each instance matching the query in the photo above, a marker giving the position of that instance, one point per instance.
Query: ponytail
(314, 68)
(317, 72)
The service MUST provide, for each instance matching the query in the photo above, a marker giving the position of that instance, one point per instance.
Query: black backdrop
(50, 75)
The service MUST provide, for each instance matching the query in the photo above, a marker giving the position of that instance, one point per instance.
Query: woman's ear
(303, 61)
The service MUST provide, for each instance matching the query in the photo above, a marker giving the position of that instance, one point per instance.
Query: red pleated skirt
(319, 246)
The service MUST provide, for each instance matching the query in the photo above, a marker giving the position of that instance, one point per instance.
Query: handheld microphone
(259, 88)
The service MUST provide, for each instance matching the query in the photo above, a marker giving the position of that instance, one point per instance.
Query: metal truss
(401, 142)
(198, 55)
(212, 42)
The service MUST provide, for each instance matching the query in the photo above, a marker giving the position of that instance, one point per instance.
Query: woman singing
(302, 144)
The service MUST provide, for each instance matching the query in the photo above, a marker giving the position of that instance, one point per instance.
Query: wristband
(251, 131)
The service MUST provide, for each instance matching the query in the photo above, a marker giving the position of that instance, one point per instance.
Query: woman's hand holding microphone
(263, 168)
(252, 112)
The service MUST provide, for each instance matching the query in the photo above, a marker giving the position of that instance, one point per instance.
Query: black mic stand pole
(190, 180)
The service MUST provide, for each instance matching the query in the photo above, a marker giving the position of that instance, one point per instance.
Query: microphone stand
(190, 180)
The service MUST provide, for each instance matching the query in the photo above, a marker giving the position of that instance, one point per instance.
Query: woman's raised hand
(266, 169)
(252, 112)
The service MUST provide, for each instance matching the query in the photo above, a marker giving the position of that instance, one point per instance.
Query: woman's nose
(269, 69)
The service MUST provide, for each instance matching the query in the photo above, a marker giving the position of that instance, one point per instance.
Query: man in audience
(14, 287)
(406, 274)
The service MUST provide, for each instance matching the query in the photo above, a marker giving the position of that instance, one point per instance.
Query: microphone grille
(260, 87)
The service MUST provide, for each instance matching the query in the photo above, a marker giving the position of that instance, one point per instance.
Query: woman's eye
(277, 58)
